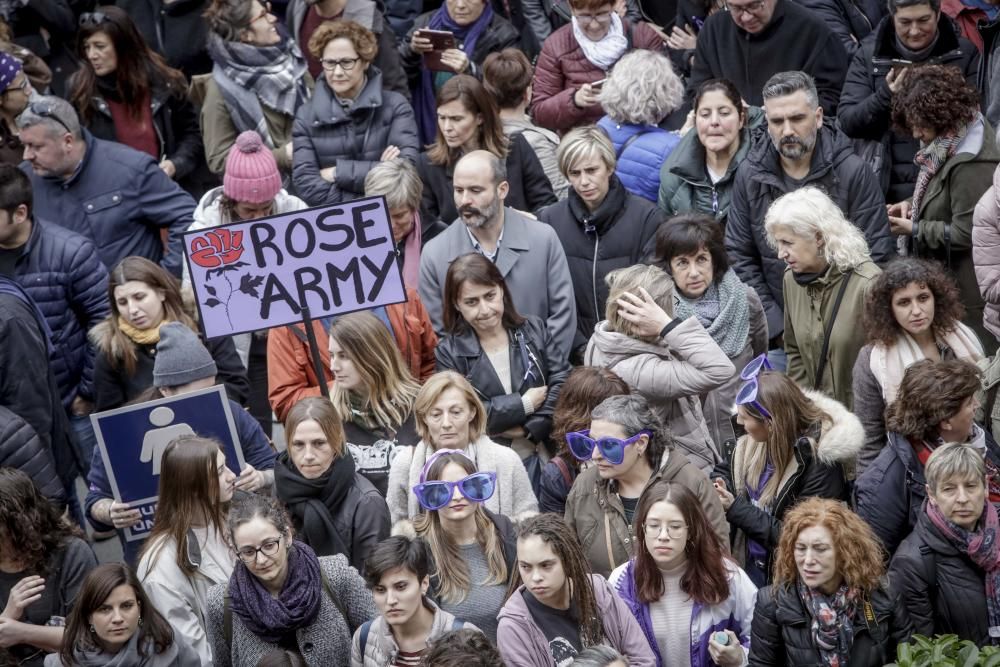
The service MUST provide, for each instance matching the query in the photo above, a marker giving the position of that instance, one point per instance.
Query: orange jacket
(290, 375)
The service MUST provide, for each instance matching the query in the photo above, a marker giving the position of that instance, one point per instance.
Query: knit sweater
(671, 616)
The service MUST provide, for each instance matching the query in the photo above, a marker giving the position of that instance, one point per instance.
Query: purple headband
(9, 67)
(438, 454)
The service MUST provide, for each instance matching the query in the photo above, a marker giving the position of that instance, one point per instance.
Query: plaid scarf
(982, 548)
(723, 310)
(930, 159)
(832, 622)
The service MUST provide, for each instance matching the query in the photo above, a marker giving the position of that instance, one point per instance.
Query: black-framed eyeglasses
(346, 64)
(23, 87)
(90, 19)
(47, 110)
(267, 10)
(750, 8)
(268, 547)
(585, 19)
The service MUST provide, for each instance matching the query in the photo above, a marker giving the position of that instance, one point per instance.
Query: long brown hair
(157, 278)
(451, 571)
(470, 92)
(476, 269)
(321, 411)
(139, 71)
(189, 488)
(34, 529)
(96, 588)
(705, 577)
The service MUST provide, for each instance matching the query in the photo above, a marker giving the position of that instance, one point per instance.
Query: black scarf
(314, 502)
(607, 212)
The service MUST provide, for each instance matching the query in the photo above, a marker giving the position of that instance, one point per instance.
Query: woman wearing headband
(509, 359)
(474, 549)
(798, 444)
(450, 415)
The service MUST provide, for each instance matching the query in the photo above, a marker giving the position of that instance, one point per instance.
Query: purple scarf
(832, 622)
(424, 97)
(296, 607)
(981, 547)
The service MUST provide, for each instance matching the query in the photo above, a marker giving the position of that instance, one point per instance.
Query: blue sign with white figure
(132, 440)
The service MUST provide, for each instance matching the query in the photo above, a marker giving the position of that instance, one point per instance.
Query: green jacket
(807, 310)
(684, 182)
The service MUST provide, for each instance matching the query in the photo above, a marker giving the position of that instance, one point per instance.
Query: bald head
(483, 162)
(480, 186)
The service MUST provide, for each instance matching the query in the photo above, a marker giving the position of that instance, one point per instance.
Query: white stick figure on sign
(155, 441)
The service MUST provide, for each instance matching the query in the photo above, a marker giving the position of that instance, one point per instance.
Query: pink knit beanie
(251, 172)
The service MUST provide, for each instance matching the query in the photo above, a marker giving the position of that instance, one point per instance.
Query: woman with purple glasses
(631, 450)
(798, 444)
(474, 549)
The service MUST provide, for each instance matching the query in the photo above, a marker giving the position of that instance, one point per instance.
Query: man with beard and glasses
(802, 151)
(527, 252)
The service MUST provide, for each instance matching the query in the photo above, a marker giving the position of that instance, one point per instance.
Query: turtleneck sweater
(671, 617)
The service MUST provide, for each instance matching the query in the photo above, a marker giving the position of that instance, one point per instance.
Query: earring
(93, 630)
(140, 621)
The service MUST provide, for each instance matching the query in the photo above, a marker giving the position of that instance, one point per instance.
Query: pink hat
(251, 172)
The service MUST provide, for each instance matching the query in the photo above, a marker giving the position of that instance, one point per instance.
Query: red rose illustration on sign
(219, 251)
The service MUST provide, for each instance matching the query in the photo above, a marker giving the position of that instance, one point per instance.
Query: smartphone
(898, 62)
(597, 84)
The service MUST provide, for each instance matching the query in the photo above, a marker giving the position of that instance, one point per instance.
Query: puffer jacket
(818, 468)
(64, 276)
(808, 310)
(328, 135)
(21, 448)
(381, 649)
(322, 643)
(850, 20)
(562, 69)
(944, 591)
(684, 182)
(944, 229)
(835, 168)
(596, 248)
(120, 199)
(866, 103)
(595, 512)
(533, 363)
(782, 630)
(672, 374)
(986, 253)
(641, 151)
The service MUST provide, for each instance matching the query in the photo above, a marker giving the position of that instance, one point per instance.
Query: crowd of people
(695, 361)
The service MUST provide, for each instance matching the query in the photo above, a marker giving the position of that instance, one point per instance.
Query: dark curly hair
(32, 526)
(931, 391)
(935, 97)
(461, 648)
(881, 327)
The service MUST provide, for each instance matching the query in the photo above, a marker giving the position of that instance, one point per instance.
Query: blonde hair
(583, 142)
(372, 349)
(429, 394)
(655, 280)
(810, 213)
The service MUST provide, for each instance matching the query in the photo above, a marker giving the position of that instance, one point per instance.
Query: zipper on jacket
(593, 272)
(715, 200)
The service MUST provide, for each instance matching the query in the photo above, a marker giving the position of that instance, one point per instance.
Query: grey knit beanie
(181, 357)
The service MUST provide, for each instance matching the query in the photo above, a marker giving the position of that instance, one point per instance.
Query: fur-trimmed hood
(842, 439)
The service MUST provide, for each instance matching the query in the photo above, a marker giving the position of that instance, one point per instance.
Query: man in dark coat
(116, 196)
(758, 38)
(802, 151)
(919, 33)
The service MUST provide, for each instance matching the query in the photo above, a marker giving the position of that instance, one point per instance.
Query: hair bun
(249, 142)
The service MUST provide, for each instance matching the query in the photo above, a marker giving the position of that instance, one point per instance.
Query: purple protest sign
(259, 274)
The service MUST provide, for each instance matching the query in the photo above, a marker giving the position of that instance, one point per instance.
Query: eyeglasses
(47, 110)
(346, 64)
(586, 19)
(747, 394)
(477, 487)
(263, 14)
(673, 530)
(268, 547)
(752, 8)
(23, 87)
(91, 19)
(581, 445)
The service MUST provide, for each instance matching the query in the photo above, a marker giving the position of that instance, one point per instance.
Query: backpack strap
(365, 627)
(821, 366)
(560, 463)
(628, 142)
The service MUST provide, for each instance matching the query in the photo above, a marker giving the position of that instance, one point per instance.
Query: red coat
(562, 69)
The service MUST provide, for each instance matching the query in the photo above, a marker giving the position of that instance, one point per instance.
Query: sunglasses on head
(581, 445)
(477, 487)
(90, 19)
(754, 368)
(47, 110)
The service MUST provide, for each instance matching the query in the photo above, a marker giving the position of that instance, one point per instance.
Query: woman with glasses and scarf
(281, 595)
(335, 509)
(258, 82)
(556, 608)
(630, 450)
(692, 601)
(830, 272)
(506, 357)
(798, 444)
(830, 604)
(474, 549)
(449, 414)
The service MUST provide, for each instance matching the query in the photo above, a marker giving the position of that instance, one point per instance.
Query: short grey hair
(497, 164)
(59, 117)
(398, 181)
(955, 460)
(633, 413)
(599, 656)
(789, 83)
(642, 89)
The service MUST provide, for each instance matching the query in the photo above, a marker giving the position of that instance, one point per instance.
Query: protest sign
(132, 440)
(260, 274)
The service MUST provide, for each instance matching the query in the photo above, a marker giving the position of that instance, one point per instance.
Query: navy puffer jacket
(63, 274)
(20, 448)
